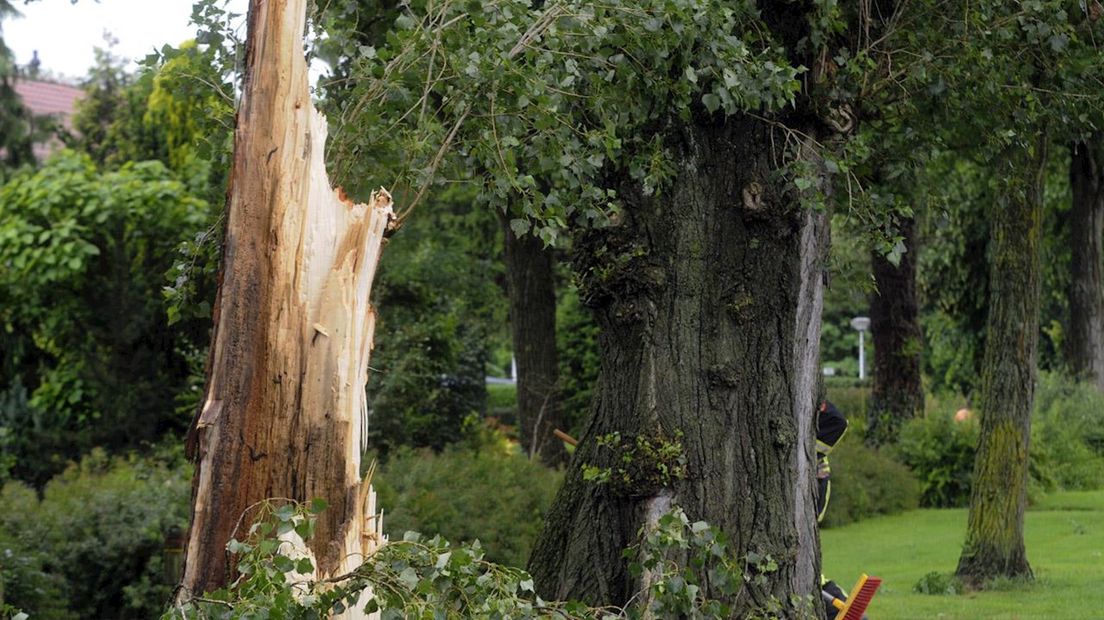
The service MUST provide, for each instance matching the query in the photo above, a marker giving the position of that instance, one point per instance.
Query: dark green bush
(494, 495)
(867, 483)
(1067, 445)
(852, 398)
(940, 452)
(1067, 434)
(502, 402)
(92, 547)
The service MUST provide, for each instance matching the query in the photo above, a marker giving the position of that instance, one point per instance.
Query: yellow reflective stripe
(827, 498)
(825, 449)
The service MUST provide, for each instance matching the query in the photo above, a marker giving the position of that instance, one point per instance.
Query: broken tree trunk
(284, 404)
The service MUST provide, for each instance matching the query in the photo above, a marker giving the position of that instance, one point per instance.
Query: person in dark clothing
(831, 426)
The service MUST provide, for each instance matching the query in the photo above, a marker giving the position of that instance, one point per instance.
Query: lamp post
(861, 324)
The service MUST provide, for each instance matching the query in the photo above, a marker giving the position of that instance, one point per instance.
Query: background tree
(1085, 341)
(531, 288)
(897, 394)
(1025, 81)
(610, 128)
(15, 120)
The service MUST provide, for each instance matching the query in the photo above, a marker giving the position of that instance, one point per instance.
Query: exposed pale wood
(285, 401)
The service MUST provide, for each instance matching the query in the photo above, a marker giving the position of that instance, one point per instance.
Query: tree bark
(994, 538)
(1085, 342)
(284, 401)
(897, 395)
(532, 291)
(709, 308)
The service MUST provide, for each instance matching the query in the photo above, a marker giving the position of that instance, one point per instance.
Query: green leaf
(711, 102)
(285, 512)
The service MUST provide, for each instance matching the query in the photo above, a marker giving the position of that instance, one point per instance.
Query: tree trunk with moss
(897, 395)
(1085, 341)
(995, 533)
(284, 402)
(709, 302)
(531, 288)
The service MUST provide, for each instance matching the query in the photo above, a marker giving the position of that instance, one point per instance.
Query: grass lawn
(1065, 545)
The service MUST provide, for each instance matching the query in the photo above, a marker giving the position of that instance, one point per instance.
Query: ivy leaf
(711, 102)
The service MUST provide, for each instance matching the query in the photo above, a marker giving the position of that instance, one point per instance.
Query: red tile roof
(48, 98)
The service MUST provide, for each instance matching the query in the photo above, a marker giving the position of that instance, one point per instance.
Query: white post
(861, 324)
(862, 357)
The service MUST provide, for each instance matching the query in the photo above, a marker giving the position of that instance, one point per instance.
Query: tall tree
(660, 136)
(994, 540)
(897, 394)
(709, 351)
(1085, 341)
(15, 119)
(531, 287)
(284, 402)
(1036, 63)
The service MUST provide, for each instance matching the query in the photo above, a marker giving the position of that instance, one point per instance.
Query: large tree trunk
(531, 288)
(1085, 342)
(897, 395)
(994, 538)
(284, 403)
(709, 304)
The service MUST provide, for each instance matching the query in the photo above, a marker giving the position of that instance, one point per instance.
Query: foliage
(845, 297)
(939, 583)
(93, 545)
(440, 313)
(109, 121)
(565, 93)
(81, 319)
(193, 107)
(940, 452)
(421, 577)
(852, 398)
(577, 346)
(492, 494)
(502, 402)
(1067, 445)
(1067, 434)
(16, 122)
(641, 465)
(867, 483)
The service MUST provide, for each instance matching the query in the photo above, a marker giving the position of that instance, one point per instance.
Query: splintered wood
(285, 405)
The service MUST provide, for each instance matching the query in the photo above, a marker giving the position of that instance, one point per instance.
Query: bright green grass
(1065, 545)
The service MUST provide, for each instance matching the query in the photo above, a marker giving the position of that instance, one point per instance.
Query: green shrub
(867, 483)
(502, 402)
(939, 584)
(852, 398)
(1067, 434)
(494, 495)
(940, 452)
(94, 542)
